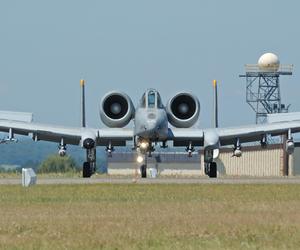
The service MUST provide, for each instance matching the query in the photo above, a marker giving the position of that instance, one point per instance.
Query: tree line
(52, 164)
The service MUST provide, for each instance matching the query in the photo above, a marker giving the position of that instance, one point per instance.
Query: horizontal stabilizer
(16, 116)
(283, 117)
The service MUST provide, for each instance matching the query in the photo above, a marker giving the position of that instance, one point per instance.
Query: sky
(48, 46)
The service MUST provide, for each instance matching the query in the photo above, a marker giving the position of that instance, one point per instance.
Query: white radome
(268, 62)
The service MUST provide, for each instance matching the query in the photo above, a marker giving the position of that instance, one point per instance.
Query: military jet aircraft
(152, 120)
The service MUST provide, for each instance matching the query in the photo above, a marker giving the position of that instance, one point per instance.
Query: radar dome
(268, 62)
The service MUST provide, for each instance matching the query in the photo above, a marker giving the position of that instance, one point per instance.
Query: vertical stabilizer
(82, 85)
(216, 121)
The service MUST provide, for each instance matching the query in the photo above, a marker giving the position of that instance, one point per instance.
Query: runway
(128, 180)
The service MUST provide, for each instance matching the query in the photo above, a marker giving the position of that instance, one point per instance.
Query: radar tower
(263, 88)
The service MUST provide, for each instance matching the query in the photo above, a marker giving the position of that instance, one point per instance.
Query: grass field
(107, 216)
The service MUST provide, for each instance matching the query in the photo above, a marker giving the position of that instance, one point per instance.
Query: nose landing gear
(143, 170)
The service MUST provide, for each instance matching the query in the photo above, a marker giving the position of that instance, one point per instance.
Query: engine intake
(116, 109)
(183, 110)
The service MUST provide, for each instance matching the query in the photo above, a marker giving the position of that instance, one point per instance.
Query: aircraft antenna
(216, 120)
(82, 84)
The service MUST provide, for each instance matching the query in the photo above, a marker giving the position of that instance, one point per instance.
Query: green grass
(120, 216)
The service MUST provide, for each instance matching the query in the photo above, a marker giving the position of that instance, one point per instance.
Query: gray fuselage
(150, 120)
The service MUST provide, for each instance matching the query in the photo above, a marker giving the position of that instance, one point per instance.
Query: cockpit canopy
(151, 99)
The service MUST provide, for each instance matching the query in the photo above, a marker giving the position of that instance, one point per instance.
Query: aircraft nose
(151, 116)
(152, 126)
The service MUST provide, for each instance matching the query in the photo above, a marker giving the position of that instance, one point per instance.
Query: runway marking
(128, 180)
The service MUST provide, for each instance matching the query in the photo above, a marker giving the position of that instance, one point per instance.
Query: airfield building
(256, 161)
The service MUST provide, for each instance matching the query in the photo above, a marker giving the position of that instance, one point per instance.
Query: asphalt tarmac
(164, 180)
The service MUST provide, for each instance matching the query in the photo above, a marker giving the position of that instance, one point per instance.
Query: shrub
(58, 164)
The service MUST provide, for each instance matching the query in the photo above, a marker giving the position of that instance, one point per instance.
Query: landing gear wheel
(206, 168)
(212, 170)
(86, 170)
(144, 171)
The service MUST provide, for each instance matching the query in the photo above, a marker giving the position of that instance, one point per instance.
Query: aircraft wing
(228, 136)
(182, 136)
(255, 132)
(70, 135)
(114, 136)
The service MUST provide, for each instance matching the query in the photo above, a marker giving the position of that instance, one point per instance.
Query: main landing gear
(211, 169)
(89, 167)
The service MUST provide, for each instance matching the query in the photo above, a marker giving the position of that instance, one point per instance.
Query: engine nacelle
(183, 110)
(289, 146)
(116, 109)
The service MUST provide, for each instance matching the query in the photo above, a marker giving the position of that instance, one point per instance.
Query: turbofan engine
(116, 109)
(183, 110)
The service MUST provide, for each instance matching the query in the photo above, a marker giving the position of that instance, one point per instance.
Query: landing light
(144, 145)
(140, 159)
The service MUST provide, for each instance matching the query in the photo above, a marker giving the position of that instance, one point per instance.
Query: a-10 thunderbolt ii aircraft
(151, 127)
